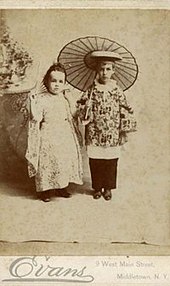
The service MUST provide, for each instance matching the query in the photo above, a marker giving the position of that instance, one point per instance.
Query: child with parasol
(53, 151)
(101, 109)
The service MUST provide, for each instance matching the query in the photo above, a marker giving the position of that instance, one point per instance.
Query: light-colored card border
(81, 4)
(42, 248)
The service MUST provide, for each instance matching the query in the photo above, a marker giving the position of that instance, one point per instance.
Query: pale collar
(112, 84)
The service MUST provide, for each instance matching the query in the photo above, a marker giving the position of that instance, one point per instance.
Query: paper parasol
(80, 74)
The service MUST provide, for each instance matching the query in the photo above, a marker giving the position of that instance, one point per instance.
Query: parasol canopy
(79, 60)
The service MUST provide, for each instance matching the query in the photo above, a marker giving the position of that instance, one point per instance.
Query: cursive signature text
(37, 267)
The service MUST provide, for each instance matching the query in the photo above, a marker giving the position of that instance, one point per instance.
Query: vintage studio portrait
(84, 126)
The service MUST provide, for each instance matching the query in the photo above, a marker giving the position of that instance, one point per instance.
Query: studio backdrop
(139, 210)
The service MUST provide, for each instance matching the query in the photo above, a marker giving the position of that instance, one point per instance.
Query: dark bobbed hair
(55, 67)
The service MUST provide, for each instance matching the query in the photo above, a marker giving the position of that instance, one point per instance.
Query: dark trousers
(103, 173)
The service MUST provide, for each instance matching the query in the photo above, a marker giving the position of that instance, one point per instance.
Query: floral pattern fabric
(53, 151)
(108, 104)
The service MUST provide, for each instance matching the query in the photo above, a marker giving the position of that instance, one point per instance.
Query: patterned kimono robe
(53, 152)
(103, 133)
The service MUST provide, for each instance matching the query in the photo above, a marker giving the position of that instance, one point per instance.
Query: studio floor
(134, 222)
(76, 226)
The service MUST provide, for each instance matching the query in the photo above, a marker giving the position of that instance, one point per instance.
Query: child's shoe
(97, 194)
(45, 196)
(107, 195)
(63, 193)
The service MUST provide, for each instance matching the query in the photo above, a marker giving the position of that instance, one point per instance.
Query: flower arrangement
(14, 61)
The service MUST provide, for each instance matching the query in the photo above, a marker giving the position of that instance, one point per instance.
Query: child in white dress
(53, 153)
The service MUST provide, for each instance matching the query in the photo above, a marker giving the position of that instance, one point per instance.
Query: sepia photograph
(84, 124)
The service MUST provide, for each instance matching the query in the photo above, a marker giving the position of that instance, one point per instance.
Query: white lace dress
(53, 151)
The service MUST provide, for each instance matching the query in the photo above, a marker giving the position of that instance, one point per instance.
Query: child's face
(105, 72)
(56, 82)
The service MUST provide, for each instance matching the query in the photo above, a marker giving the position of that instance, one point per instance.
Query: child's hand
(88, 104)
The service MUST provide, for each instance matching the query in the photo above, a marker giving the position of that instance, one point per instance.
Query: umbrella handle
(87, 111)
(88, 108)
